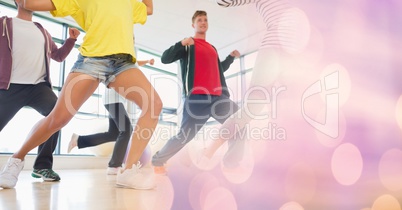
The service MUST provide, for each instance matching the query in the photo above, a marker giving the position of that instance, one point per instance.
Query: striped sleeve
(233, 3)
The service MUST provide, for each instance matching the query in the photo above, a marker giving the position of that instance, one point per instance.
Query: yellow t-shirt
(108, 24)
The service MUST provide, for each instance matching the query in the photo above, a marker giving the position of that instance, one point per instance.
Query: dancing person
(25, 79)
(119, 130)
(205, 90)
(107, 56)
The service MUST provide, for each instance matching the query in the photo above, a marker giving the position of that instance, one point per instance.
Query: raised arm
(143, 62)
(39, 5)
(150, 6)
(174, 53)
(229, 59)
(59, 54)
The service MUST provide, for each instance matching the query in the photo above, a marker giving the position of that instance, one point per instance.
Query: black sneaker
(48, 175)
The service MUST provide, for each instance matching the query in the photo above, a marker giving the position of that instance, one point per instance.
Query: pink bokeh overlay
(341, 115)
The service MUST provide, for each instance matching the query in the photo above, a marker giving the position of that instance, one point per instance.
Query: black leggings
(120, 130)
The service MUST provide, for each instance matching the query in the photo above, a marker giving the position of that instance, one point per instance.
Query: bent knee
(158, 104)
(155, 106)
(56, 122)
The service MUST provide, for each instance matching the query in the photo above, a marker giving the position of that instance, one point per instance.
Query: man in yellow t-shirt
(107, 56)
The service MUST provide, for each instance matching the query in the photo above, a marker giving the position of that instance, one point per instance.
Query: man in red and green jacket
(205, 90)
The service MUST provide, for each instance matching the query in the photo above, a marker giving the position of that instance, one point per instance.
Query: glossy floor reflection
(271, 186)
(83, 189)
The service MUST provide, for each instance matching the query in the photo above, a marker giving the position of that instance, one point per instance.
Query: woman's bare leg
(77, 89)
(134, 86)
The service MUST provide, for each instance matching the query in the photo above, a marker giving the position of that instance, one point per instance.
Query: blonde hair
(198, 13)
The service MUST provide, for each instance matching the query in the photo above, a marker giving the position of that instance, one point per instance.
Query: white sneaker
(112, 170)
(136, 178)
(10, 172)
(73, 142)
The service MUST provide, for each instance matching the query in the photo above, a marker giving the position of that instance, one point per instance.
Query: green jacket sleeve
(226, 63)
(174, 53)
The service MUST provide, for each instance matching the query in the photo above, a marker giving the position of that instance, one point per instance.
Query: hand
(235, 54)
(74, 33)
(187, 41)
(151, 62)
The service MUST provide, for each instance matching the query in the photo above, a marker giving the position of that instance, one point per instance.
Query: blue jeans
(197, 110)
(104, 68)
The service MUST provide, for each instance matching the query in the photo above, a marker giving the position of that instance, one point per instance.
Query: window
(8, 10)
(234, 86)
(171, 68)
(249, 60)
(248, 79)
(55, 29)
(83, 124)
(14, 133)
(234, 68)
(165, 80)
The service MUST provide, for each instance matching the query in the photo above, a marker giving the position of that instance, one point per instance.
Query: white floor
(79, 189)
(284, 181)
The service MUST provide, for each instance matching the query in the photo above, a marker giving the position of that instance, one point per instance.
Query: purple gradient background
(365, 38)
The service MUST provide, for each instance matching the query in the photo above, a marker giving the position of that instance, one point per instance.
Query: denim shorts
(104, 68)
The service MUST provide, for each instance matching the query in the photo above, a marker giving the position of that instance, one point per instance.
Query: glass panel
(84, 125)
(94, 105)
(15, 132)
(234, 86)
(248, 79)
(55, 29)
(7, 11)
(172, 68)
(249, 60)
(170, 118)
(168, 87)
(234, 68)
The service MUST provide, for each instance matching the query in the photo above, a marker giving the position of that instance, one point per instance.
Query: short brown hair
(198, 13)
